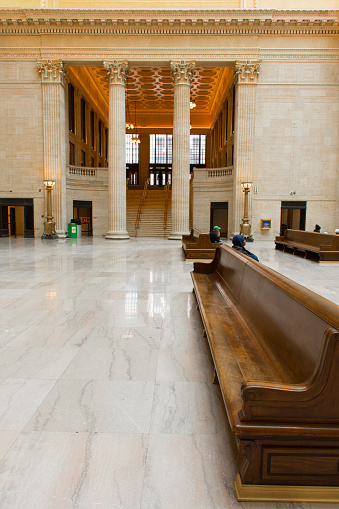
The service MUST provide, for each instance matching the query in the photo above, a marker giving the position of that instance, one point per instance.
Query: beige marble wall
(21, 135)
(208, 189)
(296, 143)
(99, 199)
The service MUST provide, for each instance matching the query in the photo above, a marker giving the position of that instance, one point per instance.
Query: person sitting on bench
(215, 235)
(239, 242)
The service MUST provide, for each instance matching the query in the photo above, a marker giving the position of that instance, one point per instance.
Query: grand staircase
(151, 222)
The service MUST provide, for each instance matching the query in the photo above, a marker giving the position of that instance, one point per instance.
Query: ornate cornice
(117, 72)
(246, 72)
(215, 55)
(51, 71)
(182, 72)
(168, 22)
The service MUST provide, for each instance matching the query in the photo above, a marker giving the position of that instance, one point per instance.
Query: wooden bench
(198, 245)
(275, 347)
(321, 246)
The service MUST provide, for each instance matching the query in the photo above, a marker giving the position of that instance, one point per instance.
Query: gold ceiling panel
(152, 88)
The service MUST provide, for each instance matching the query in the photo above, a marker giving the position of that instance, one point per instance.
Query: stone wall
(211, 185)
(296, 143)
(21, 133)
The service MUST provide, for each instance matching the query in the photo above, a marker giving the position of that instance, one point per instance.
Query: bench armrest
(314, 401)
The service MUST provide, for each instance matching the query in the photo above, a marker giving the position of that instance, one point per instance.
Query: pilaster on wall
(246, 77)
(53, 97)
(117, 72)
(182, 73)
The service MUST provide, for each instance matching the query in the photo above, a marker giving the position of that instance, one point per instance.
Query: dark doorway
(219, 216)
(160, 175)
(83, 210)
(293, 216)
(16, 218)
(132, 174)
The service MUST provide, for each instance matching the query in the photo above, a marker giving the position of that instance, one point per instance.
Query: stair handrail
(137, 221)
(166, 204)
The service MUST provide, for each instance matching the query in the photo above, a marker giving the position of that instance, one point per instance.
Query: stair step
(151, 223)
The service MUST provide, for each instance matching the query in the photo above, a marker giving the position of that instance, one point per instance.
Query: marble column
(117, 72)
(182, 73)
(54, 128)
(246, 78)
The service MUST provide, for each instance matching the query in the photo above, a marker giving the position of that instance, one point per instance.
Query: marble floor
(106, 393)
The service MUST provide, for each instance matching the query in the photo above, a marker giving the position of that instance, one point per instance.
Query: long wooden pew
(198, 245)
(320, 246)
(275, 347)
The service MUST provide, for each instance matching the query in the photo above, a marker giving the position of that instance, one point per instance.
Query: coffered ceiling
(150, 91)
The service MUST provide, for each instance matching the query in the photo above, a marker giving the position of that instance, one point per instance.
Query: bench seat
(275, 348)
(245, 355)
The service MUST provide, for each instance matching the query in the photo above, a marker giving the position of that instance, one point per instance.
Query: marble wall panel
(21, 152)
(296, 143)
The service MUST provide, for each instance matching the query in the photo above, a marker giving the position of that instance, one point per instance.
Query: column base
(49, 236)
(117, 235)
(175, 236)
(61, 234)
(49, 231)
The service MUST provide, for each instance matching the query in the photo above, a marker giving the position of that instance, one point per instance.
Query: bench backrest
(291, 317)
(309, 238)
(192, 237)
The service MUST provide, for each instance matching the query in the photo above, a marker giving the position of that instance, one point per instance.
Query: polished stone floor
(106, 397)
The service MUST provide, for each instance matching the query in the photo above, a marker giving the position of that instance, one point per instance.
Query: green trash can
(72, 231)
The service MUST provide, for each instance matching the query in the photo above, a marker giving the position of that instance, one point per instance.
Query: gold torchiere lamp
(49, 225)
(245, 227)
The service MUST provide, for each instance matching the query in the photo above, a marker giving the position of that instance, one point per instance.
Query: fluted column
(182, 73)
(117, 72)
(246, 77)
(53, 103)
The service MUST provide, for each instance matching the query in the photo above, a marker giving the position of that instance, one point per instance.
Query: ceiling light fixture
(128, 123)
(135, 136)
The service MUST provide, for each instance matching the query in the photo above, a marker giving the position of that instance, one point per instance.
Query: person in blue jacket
(239, 242)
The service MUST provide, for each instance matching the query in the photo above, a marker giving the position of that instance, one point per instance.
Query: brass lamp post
(49, 225)
(245, 227)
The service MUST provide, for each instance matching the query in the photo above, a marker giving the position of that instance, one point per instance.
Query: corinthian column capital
(117, 72)
(182, 72)
(52, 71)
(247, 71)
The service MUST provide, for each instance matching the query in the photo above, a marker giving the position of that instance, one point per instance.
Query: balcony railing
(82, 171)
(220, 172)
(208, 174)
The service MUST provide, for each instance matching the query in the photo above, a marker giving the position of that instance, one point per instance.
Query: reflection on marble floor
(106, 394)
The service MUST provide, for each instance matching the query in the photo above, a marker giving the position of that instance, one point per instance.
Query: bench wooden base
(274, 493)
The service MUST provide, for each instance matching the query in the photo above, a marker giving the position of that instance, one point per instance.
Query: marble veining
(106, 397)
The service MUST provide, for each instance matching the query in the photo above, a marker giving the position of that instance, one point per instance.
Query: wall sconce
(245, 227)
(49, 225)
(192, 105)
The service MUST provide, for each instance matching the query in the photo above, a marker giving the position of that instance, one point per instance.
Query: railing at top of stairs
(166, 204)
(137, 221)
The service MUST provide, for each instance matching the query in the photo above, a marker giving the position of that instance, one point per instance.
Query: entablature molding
(168, 22)
(222, 57)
